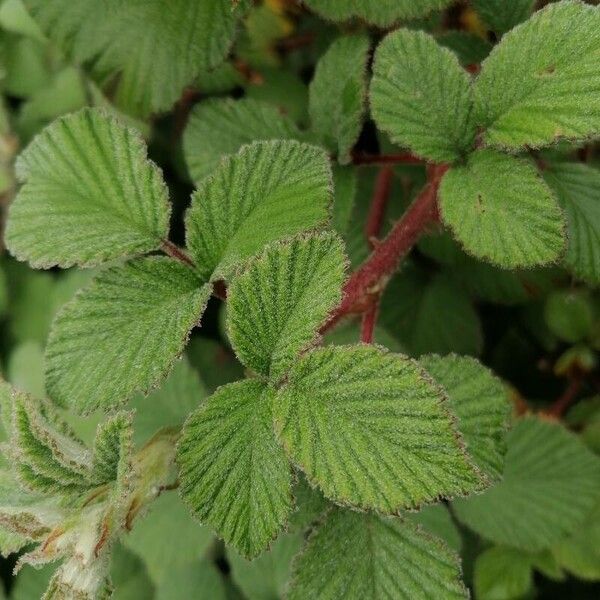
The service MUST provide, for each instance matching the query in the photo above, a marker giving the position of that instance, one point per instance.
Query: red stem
(173, 251)
(379, 202)
(561, 405)
(359, 158)
(369, 320)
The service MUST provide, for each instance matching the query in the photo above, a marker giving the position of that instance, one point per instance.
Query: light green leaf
(129, 576)
(90, 195)
(234, 476)
(338, 93)
(539, 83)
(576, 186)
(200, 580)
(31, 583)
(145, 51)
(220, 127)
(365, 557)
(275, 308)
(112, 436)
(502, 574)
(25, 369)
(122, 334)
(383, 13)
(266, 192)
(480, 402)
(501, 16)
(371, 429)
(500, 210)
(421, 96)
(551, 481)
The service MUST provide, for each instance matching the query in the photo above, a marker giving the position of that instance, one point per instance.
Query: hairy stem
(170, 249)
(379, 202)
(369, 320)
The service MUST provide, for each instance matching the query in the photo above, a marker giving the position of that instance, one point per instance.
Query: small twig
(379, 202)
(369, 320)
(405, 158)
(564, 402)
(170, 249)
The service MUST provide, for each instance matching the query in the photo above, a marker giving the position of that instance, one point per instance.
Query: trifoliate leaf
(539, 83)
(111, 437)
(234, 476)
(371, 429)
(421, 96)
(144, 51)
(576, 186)
(220, 127)
(501, 16)
(90, 195)
(551, 481)
(502, 574)
(266, 192)
(480, 402)
(338, 94)
(365, 557)
(383, 13)
(275, 308)
(121, 334)
(500, 210)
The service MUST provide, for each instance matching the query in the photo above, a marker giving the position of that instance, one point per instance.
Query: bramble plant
(329, 320)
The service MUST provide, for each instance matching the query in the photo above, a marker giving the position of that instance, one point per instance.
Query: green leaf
(371, 430)
(145, 51)
(200, 580)
(365, 557)
(576, 187)
(345, 182)
(121, 334)
(25, 369)
(383, 13)
(570, 314)
(502, 16)
(551, 481)
(220, 127)
(284, 184)
(90, 195)
(436, 519)
(468, 47)
(502, 574)
(421, 96)
(129, 576)
(31, 583)
(234, 476)
(500, 210)
(480, 402)
(338, 93)
(111, 438)
(275, 308)
(539, 83)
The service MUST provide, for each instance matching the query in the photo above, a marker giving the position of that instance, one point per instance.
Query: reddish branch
(369, 320)
(563, 403)
(173, 251)
(379, 202)
(404, 158)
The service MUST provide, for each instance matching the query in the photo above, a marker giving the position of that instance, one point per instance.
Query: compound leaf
(219, 127)
(338, 94)
(366, 557)
(234, 476)
(540, 83)
(371, 429)
(90, 195)
(501, 16)
(421, 96)
(500, 210)
(121, 334)
(266, 192)
(551, 481)
(274, 309)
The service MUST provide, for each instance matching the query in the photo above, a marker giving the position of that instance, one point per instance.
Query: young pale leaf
(111, 437)
(275, 308)
(234, 476)
(501, 16)
(480, 401)
(338, 94)
(371, 430)
(266, 192)
(421, 96)
(576, 187)
(219, 127)
(365, 557)
(540, 82)
(121, 334)
(383, 13)
(500, 210)
(551, 481)
(90, 195)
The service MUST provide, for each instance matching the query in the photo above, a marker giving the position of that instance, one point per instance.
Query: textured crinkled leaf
(111, 438)
(121, 334)
(371, 429)
(480, 402)
(144, 51)
(500, 210)
(540, 82)
(501, 16)
(502, 574)
(90, 195)
(421, 96)
(577, 188)
(220, 127)
(234, 476)
(551, 481)
(266, 192)
(275, 308)
(338, 94)
(377, 12)
(365, 557)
